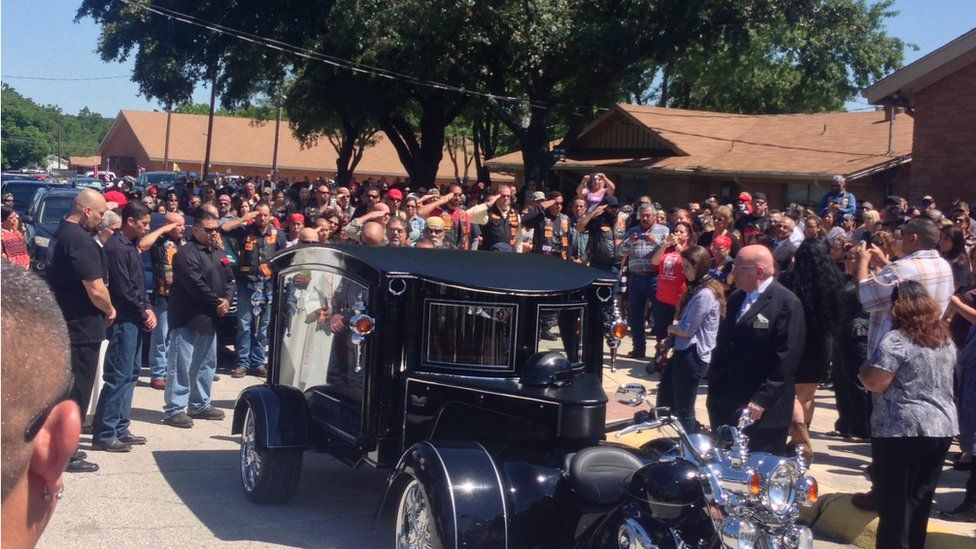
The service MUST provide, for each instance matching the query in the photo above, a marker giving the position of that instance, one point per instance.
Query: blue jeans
(252, 337)
(642, 290)
(159, 343)
(190, 370)
(122, 362)
(678, 388)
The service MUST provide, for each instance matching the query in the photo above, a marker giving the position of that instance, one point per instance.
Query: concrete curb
(835, 517)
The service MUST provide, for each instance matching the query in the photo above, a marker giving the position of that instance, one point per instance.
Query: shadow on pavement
(331, 498)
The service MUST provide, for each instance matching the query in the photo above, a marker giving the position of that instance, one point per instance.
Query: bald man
(760, 342)
(77, 278)
(373, 234)
(162, 245)
(308, 235)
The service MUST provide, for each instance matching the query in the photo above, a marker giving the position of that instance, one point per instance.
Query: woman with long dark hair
(952, 246)
(914, 417)
(816, 280)
(701, 305)
(14, 245)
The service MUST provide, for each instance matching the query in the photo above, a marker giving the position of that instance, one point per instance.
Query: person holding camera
(639, 246)
(595, 189)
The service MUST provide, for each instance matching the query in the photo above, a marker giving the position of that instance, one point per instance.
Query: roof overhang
(899, 88)
(583, 168)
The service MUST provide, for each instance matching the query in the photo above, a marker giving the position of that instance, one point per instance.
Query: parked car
(161, 180)
(49, 206)
(23, 191)
(88, 183)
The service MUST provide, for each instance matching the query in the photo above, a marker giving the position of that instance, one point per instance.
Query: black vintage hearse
(476, 378)
(447, 366)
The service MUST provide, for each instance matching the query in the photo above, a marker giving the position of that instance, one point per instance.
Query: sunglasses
(373, 196)
(40, 418)
(212, 230)
(435, 231)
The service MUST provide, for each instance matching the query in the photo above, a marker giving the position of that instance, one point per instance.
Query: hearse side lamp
(362, 324)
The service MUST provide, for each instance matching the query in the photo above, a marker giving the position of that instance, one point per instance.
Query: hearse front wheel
(414, 522)
(268, 476)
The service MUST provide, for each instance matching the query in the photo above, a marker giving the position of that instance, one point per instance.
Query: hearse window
(316, 349)
(561, 330)
(470, 334)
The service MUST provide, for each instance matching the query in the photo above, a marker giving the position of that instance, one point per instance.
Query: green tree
(811, 58)
(30, 131)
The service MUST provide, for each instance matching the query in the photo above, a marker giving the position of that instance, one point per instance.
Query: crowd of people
(766, 305)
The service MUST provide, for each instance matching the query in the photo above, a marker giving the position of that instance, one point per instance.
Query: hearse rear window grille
(471, 334)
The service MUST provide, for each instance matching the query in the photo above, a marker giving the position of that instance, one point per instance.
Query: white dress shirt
(752, 296)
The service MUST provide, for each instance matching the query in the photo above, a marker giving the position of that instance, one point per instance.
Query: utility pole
(59, 146)
(213, 100)
(169, 117)
(274, 156)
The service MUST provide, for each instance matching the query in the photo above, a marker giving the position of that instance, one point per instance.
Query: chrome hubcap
(250, 460)
(413, 519)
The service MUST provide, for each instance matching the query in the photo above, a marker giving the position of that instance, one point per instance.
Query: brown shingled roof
(249, 143)
(791, 145)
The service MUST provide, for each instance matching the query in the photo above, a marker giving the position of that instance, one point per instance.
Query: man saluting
(759, 345)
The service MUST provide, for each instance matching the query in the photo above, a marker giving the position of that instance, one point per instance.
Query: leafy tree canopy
(30, 131)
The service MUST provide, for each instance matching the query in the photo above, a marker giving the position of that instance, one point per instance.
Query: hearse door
(317, 354)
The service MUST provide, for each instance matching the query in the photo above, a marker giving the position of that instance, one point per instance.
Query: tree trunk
(419, 152)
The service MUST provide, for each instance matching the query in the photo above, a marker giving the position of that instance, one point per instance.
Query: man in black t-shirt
(77, 278)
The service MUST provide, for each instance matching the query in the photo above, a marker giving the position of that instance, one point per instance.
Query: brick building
(677, 156)
(240, 146)
(939, 92)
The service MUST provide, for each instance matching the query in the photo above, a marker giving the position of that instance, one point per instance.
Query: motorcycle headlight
(41, 241)
(739, 534)
(780, 489)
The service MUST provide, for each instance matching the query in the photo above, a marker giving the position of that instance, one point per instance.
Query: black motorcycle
(685, 491)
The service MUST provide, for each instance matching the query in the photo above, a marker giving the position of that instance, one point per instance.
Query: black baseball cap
(611, 201)
(759, 196)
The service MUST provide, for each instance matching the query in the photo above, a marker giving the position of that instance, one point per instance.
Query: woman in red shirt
(14, 247)
(670, 278)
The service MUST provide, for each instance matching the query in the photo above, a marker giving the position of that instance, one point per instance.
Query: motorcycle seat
(599, 473)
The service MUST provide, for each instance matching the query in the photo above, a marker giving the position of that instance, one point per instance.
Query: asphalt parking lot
(182, 489)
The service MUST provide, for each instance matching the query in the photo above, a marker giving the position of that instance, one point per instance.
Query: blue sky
(40, 38)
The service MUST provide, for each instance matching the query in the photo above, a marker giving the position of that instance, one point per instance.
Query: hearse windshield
(560, 329)
(471, 335)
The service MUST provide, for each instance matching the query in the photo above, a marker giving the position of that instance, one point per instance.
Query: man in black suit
(759, 344)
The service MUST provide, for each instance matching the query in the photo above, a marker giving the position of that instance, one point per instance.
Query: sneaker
(158, 383)
(209, 413)
(180, 420)
(238, 372)
(637, 354)
(260, 371)
(864, 501)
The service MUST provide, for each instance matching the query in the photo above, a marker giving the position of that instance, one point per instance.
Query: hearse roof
(487, 270)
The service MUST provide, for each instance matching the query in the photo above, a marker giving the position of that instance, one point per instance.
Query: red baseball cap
(296, 218)
(117, 197)
(745, 197)
(395, 194)
(152, 190)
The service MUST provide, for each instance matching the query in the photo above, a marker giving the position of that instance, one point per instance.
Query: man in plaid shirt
(920, 262)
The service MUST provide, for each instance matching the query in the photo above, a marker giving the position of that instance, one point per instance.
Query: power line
(64, 79)
(316, 56)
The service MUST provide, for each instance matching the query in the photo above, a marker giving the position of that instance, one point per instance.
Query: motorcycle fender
(280, 414)
(463, 487)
